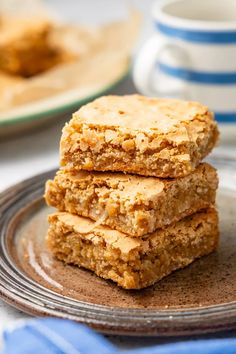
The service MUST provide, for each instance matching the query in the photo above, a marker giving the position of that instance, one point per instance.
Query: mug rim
(160, 15)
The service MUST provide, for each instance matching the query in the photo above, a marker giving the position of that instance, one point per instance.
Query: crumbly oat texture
(135, 205)
(132, 263)
(157, 137)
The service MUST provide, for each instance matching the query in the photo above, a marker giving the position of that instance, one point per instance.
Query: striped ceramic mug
(194, 49)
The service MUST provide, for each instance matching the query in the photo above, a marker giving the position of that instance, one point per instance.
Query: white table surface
(24, 156)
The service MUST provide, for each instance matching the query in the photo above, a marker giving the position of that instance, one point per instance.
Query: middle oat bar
(132, 204)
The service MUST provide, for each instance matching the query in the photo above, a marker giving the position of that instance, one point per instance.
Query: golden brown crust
(136, 112)
(13, 28)
(132, 262)
(132, 204)
(136, 134)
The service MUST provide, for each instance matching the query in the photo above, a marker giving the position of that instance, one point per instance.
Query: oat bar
(135, 205)
(132, 263)
(148, 136)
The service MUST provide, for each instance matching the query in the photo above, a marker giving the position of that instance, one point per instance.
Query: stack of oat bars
(135, 202)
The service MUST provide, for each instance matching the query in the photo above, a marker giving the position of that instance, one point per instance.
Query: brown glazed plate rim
(17, 289)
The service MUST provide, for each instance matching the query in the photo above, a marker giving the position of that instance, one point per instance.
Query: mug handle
(145, 62)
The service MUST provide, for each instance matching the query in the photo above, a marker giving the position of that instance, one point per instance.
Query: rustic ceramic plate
(198, 299)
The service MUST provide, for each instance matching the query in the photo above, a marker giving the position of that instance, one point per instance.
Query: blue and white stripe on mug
(195, 48)
(223, 81)
(198, 36)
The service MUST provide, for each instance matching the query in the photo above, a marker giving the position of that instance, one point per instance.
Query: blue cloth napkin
(54, 336)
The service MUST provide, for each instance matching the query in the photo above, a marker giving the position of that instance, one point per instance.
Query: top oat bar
(148, 136)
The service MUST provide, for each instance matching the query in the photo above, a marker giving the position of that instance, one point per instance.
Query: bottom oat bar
(133, 263)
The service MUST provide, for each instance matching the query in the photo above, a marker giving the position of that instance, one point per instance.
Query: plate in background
(39, 113)
(196, 300)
